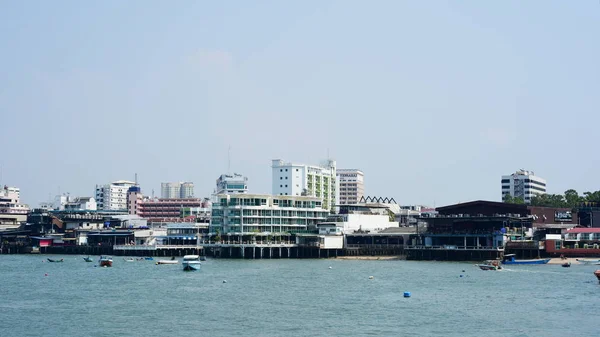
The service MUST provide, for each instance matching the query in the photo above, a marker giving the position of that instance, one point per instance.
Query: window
(285, 178)
(280, 178)
(285, 185)
(285, 170)
(296, 170)
(280, 170)
(280, 185)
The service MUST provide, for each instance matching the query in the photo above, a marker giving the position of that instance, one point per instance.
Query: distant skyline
(433, 101)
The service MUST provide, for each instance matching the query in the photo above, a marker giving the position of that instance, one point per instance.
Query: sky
(433, 100)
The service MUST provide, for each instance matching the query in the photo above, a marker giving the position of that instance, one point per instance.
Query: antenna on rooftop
(228, 159)
(136, 179)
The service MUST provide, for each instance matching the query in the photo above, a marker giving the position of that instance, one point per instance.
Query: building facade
(134, 198)
(241, 214)
(523, 184)
(291, 179)
(113, 196)
(12, 211)
(182, 190)
(352, 187)
(167, 210)
(232, 184)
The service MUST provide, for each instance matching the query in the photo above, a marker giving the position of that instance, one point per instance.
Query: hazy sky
(433, 100)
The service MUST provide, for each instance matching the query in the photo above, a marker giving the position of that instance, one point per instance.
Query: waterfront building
(292, 179)
(12, 211)
(358, 218)
(470, 231)
(232, 184)
(523, 184)
(181, 190)
(352, 187)
(241, 214)
(113, 196)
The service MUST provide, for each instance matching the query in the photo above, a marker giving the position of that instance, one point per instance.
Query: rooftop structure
(232, 184)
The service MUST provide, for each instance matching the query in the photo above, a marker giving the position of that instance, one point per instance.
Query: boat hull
(191, 266)
(487, 267)
(594, 262)
(87, 259)
(537, 261)
(105, 263)
(597, 273)
(167, 262)
(50, 260)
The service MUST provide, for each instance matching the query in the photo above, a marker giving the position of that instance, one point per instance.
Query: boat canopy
(191, 257)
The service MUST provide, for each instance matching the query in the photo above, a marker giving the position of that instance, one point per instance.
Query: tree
(572, 198)
(509, 199)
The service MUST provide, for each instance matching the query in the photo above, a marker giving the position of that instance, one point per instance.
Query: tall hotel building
(523, 184)
(352, 186)
(294, 179)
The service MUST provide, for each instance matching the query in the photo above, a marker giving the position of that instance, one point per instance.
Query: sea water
(293, 297)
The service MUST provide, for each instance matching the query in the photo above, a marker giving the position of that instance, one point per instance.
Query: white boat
(588, 261)
(171, 261)
(191, 262)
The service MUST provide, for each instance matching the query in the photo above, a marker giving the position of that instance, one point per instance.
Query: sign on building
(563, 216)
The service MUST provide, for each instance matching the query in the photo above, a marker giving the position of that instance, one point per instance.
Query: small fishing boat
(191, 262)
(597, 273)
(131, 259)
(566, 264)
(51, 260)
(202, 258)
(105, 261)
(149, 258)
(87, 259)
(510, 259)
(588, 261)
(490, 265)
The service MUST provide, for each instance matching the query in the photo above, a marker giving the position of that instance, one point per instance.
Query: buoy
(463, 270)
(407, 294)
(461, 275)
(371, 277)
(224, 281)
(46, 274)
(329, 267)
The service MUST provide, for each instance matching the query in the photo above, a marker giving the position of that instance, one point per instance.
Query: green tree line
(570, 199)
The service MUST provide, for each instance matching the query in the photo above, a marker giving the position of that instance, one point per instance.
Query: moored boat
(150, 258)
(131, 259)
(510, 259)
(105, 261)
(167, 262)
(87, 259)
(588, 261)
(566, 264)
(191, 262)
(52, 260)
(597, 273)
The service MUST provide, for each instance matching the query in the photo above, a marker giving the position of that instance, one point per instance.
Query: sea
(294, 297)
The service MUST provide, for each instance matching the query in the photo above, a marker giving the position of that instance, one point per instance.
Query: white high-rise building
(177, 190)
(523, 184)
(232, 184)
(308, 180)
(352, 187)
(113, 196)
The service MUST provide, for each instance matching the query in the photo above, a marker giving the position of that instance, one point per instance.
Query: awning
(180, 237)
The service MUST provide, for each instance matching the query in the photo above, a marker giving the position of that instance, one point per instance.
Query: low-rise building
(241, 214)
